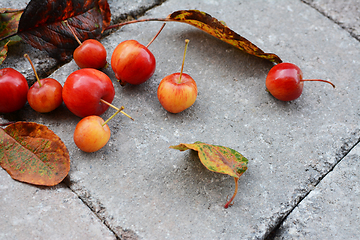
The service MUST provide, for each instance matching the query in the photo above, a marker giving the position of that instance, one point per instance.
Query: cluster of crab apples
(89, 92)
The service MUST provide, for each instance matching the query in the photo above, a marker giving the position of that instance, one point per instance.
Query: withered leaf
(42, 24)
(34, 154)
(219, 30)
(219, 159)
(9, 20)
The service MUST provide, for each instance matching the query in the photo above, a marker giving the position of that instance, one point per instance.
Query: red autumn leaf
(42, 24)
(34, 154)
(219, 159)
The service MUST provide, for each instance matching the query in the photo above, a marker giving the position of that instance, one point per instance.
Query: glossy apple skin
(83, 90)
(46, 98)
(176, 97)
(90, 135)
(13, 90)
(90, 54)
(284, 81)
(132, 62)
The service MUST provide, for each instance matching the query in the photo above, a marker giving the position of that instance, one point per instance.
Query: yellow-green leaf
(219, 159)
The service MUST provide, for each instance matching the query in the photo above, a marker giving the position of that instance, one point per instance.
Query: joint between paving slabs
(100, 211)
(352, 34)
(344, 151)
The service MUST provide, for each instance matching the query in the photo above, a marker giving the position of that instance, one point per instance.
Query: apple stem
(318, 80)
(162, 27)
(183, 62)
(118, 110)
(72, 31)
(32, 66)
(109, 104)
(138, 20)
(230, 203)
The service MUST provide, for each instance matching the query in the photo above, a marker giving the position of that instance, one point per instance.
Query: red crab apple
(90, 54)
(285, 81)
(13, 90)
(45, 95)
(133, 62)
(178, 91)
(85, 91)
(92, 132)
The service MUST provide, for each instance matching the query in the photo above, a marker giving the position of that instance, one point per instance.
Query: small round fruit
(90, 54)
(13, 90)
(132, 62)
(46, 98)
(177, 95)
(90, 135)
(285, 81)
(83, 90)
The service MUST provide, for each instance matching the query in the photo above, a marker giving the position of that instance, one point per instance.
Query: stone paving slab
(143, 190)
(332, 209)
(30, 212)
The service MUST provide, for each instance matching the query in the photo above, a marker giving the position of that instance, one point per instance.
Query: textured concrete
(141, 189)
(332, 209)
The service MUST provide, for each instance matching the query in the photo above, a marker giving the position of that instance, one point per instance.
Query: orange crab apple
(177, 91)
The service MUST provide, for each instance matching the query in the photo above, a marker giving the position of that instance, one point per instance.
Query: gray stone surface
(332, 209)
(29, 212)
(345, 13)
(142, 189)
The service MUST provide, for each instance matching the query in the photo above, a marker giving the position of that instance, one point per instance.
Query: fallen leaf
(213, 27)
(34, 154)
(219, 30)
(42, 24)
(9, 21)
(219, 159)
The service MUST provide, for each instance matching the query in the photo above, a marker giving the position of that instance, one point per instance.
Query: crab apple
(13, 90)
(91, 134)
(84, 91)
(45, 95)
(90, 54)
(285, 81)
(177, 91)
(132, 62)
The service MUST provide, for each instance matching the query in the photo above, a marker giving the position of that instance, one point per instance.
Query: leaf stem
(183, 62)
(230, 203)
(72, 31)
(109, 104)
(156, 35)
(136, 21)
(32, 66)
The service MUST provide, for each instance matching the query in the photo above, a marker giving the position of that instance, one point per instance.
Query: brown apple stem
(318, 80)
(109, 104)
(72, 31)
(136, 21)
(162, 27)
(230, 203)
(32, 66)
(183, 62)
(112, 116)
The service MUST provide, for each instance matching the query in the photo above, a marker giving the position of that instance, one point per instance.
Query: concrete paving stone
(44, 64)
(30, 212)
(345, 13)
(332, 209)
(142, 189)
